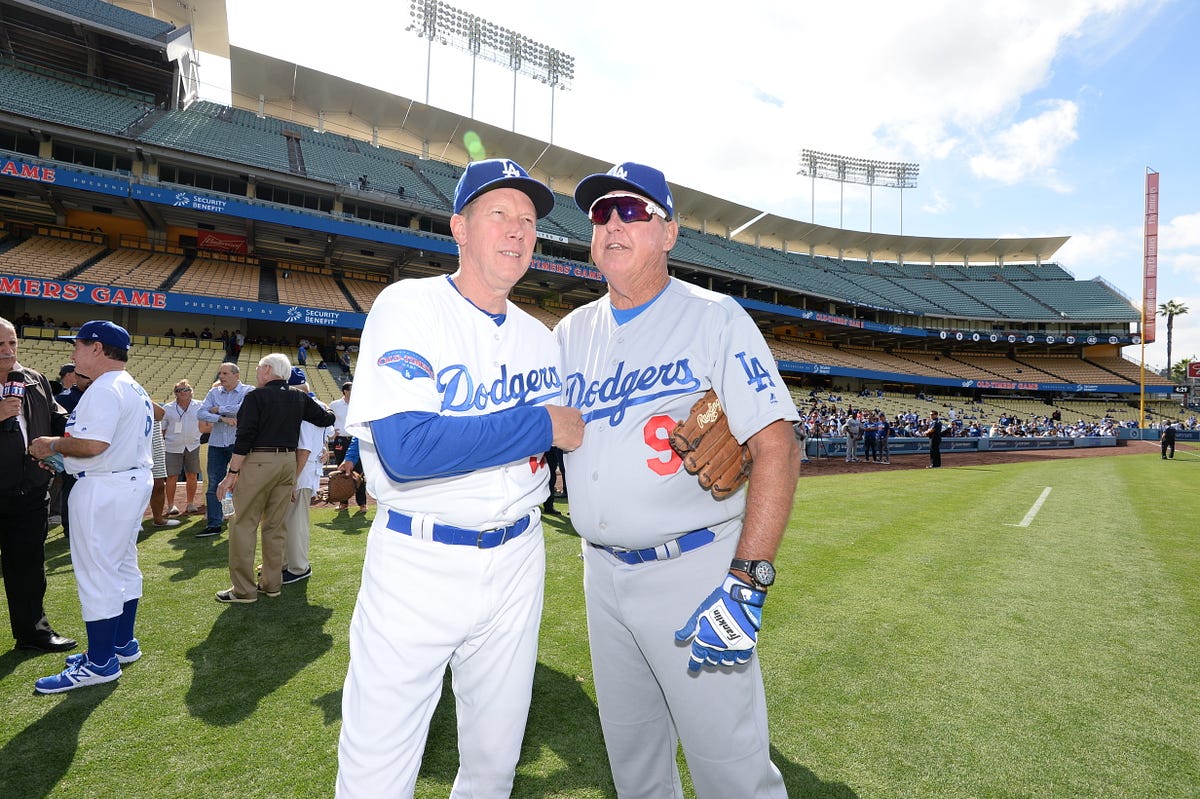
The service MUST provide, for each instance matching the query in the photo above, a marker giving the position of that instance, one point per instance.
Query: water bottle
(227, 504)
(55, 461)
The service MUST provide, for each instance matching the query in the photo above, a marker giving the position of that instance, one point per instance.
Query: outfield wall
(835, 446)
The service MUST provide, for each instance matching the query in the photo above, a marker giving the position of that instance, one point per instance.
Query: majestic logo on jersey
(612, 396)
(460, 392)
(407, 363)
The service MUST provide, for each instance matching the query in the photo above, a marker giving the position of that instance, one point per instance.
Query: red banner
(1150, 259)
(221, 242)
(1193, 369)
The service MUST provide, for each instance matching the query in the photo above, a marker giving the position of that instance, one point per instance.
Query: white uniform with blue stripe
(113, 490)
(423, 602)
(629, 491)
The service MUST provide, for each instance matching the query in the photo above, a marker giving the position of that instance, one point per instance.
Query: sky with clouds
(1027, 117)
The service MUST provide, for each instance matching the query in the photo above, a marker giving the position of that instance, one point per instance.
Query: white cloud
(936, 204)
(1030, 147)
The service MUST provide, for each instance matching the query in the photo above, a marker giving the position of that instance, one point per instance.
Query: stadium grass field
(920, 643)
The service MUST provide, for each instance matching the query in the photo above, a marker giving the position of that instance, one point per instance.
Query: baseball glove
(709, 450)
(342, 486)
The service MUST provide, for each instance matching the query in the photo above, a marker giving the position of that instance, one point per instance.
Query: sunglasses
(183, 391)
(630, 208)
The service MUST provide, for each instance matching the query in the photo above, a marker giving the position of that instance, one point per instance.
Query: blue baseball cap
(297, 377)
(501, 173)
(105, 332)
(637, 178)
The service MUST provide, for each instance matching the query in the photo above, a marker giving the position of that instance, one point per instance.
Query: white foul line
(1037, 506)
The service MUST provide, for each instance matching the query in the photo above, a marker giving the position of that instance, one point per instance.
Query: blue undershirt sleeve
(352, 451)
(417, 445)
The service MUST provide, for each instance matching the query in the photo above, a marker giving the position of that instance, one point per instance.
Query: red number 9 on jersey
(655, 433)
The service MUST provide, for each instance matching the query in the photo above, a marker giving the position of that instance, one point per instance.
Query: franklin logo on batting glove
(725, 626)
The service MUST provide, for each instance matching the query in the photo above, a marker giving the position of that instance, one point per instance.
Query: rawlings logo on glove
(725, 625)
(709, 450)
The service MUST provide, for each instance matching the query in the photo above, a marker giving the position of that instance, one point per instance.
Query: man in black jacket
(24, 500)
(262, 476)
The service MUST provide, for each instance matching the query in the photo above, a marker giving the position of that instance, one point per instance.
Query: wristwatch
(762, 572)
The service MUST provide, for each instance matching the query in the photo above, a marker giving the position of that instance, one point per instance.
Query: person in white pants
(309, 453)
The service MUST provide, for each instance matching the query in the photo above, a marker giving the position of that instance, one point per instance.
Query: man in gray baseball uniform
(675, 579)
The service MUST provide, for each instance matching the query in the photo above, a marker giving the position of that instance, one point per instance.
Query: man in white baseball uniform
(675, 580)
(309, 451)
(452, 410)
(107, 448)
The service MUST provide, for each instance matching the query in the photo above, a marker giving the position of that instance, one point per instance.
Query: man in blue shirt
(220, 409)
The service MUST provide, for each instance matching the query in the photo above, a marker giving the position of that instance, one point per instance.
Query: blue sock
(125, 625)
(101, 636)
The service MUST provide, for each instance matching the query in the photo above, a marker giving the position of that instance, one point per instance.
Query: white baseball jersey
(312, 438)
(339, 408)
(116, 410)
(633, 383)
(426, 348)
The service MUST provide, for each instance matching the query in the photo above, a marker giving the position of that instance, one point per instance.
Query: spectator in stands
(268, 433)
(170, 332)
(24, 501)
(181, 437)
(310, 454)
(1168, 441)
(206, 334)
(344, 362)
(933, 430)
(220, 409)
(302, 353)
(233, 347)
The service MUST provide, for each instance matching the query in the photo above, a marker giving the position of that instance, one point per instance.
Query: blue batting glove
(725, 625)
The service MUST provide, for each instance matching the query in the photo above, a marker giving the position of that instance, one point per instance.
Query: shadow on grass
(802, 783)
(58, 554)
(251, 651)
(349, 522)
(196, 555)
(34, 761)
(559, 523)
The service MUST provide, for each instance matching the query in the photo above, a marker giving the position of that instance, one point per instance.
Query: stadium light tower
(434, 19)
(846, 169)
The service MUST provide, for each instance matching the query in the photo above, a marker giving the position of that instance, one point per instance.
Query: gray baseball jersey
(633, 383)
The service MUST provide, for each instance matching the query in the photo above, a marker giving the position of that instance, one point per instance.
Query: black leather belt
(272, 449)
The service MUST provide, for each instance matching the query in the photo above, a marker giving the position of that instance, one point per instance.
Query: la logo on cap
(511, 170)
(618, 171)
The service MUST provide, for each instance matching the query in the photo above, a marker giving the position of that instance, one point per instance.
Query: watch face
(764, 572)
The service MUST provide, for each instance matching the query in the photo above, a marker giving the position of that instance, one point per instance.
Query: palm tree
(1171, 309)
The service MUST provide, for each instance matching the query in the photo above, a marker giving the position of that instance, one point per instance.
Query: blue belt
(672, 549)
(460, 536)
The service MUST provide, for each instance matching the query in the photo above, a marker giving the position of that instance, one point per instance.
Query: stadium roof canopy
(301, 93)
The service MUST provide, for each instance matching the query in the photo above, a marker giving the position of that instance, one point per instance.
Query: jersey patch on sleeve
(407, 363)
